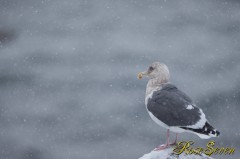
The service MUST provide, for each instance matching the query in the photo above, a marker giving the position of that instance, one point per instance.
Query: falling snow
(68, 73)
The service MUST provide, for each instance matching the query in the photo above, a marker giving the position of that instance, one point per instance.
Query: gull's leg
(175, 142)
(162, 147)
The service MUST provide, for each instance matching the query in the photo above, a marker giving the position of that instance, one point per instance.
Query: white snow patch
(190, 107)
(168, 154)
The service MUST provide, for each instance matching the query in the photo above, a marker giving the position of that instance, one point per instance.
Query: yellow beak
(141, 74)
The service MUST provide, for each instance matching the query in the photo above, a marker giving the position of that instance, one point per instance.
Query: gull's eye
(150, 68)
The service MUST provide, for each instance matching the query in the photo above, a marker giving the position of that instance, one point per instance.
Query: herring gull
(171, 108)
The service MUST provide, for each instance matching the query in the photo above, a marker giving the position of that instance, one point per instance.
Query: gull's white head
(158, 71)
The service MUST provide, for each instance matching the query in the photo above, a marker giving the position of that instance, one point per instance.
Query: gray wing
(170, 106)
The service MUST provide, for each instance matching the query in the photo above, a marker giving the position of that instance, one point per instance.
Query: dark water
(68, 73)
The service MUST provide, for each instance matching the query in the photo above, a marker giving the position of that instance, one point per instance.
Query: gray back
(170, 106)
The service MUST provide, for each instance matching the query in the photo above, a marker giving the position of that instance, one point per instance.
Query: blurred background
(68, 74)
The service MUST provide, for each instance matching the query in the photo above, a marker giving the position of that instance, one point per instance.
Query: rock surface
(168, 154)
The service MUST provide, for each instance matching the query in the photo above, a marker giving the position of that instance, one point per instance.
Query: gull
(171, 108)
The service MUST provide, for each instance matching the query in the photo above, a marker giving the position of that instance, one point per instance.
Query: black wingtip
(207, 129)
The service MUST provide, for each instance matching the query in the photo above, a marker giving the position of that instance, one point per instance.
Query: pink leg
(175, 142)
(168, 137)
(162, 147)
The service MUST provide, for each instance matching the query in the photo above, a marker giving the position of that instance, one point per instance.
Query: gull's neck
(154, 84)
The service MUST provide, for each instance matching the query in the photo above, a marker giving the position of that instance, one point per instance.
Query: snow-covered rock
(168, 154)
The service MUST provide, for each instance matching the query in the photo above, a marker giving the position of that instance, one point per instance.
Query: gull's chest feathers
(149, 93)
(152, 86)
(149, 96)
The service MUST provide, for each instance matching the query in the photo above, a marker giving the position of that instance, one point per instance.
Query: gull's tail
(205, 132)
